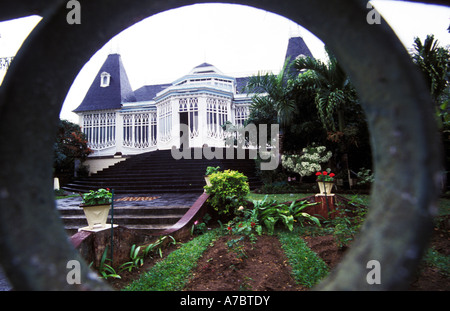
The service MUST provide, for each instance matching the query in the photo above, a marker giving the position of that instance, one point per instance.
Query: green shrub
(268, 212)
(228, 191)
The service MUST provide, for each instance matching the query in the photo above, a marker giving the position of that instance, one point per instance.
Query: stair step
(167, 220)
(146, 229)
(158, 171)
(134, 211)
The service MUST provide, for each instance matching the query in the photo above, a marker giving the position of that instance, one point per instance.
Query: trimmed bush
(228, 191)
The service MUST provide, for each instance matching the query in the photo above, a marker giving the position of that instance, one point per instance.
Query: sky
(238, 40)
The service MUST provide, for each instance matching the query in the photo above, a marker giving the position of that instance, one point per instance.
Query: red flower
(240, 225)
(107, 189)
(332, 175)
(229, 228)
(252, 224)
(318, 173)
(325, 173)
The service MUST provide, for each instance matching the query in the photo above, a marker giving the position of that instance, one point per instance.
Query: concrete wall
(98, 164)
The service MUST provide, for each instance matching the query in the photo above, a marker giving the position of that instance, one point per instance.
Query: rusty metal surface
(34, 249)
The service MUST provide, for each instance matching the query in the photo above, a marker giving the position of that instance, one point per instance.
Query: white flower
(308, 162)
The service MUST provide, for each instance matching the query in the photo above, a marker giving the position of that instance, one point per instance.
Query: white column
(119, 132)
(175, 140)
(202, 123)
(230, 116)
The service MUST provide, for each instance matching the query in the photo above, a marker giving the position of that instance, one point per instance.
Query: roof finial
(295, 30)
(114, 46)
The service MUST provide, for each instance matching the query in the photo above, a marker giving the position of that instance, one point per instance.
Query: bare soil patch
(264, 268)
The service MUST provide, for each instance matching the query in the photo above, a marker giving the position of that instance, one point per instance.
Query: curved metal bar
(34, 249)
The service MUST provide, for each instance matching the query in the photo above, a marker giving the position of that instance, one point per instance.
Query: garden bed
(259, 266)
(267, 267)
(219, 260)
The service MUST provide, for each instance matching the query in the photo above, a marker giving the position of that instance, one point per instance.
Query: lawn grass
(172, 273)
(278, 197)
(59, 197)
(438, 260)
(307, 267)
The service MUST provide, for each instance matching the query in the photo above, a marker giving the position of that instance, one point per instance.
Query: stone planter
(96, 215)
(325, 187)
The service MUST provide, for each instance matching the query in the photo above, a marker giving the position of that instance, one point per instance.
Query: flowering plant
(99, 197)
(325, 176)
(308, 162)
(245, 223)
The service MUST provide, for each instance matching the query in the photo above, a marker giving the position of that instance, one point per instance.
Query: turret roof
(117, 92)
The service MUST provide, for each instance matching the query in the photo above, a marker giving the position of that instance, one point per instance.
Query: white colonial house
(119, 122)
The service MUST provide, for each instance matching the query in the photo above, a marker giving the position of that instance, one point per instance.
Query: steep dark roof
(296, 47)
(119, 90)
(148, 92)
(111, 97)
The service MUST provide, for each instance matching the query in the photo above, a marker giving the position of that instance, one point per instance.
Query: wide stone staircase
(159, 172)
(149, 216)
(167, 187)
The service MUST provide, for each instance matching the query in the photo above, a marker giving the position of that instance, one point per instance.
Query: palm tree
(334, 92)
(336, 102)
(273, 95)
(434, 62)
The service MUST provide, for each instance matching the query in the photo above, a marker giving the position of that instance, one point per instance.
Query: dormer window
(105, 79)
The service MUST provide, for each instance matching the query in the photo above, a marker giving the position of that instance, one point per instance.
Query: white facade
(204, 100)
(119, 122)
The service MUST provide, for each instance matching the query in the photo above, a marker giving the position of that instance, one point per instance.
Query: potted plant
(210, 170)
(96, 205)
(325, 180)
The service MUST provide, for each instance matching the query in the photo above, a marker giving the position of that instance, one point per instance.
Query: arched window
(105, 79)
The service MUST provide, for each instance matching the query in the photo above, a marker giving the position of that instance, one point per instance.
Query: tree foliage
(70, 144)
(434, 62)
(285, 99)
(335, 97)
(273, 94)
